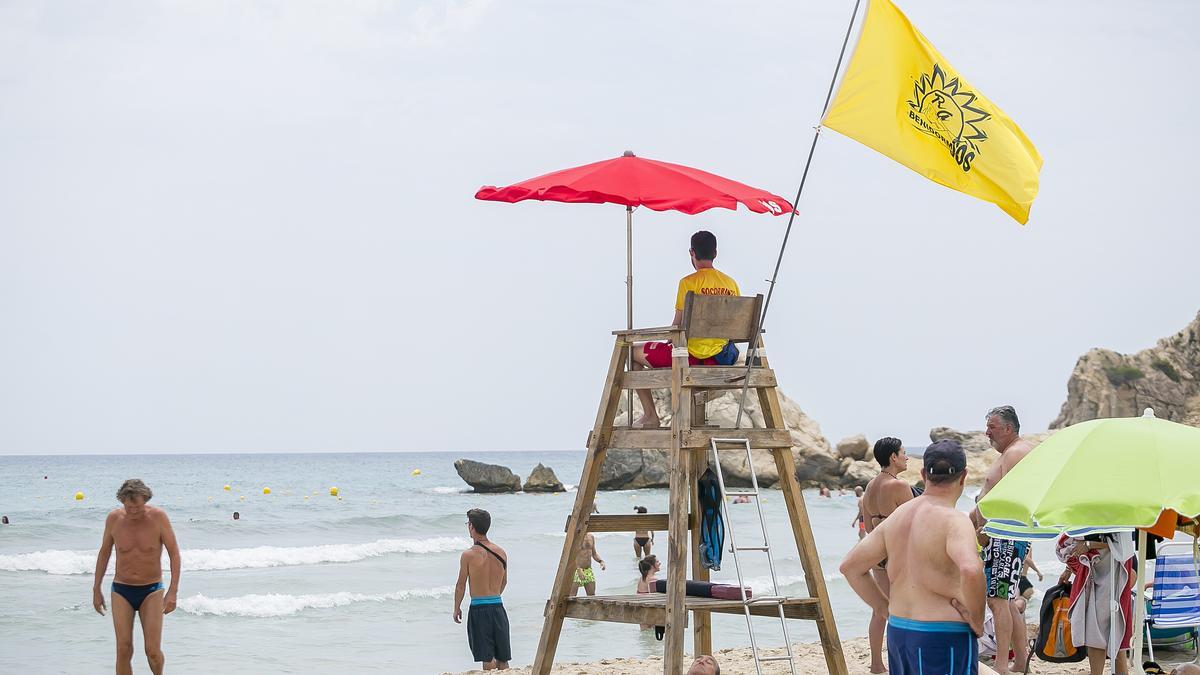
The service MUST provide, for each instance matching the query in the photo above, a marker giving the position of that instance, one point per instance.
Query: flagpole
(753, 347)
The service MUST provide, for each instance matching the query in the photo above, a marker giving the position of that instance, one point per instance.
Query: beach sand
(811, 662)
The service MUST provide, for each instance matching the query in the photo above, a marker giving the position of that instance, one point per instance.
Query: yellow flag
(900, 97)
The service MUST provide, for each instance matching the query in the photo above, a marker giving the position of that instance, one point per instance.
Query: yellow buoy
(306, 496)
(242, 498)
(78, 496)
(416, 472)
(226, 488)
(333, 491)
(266, 491)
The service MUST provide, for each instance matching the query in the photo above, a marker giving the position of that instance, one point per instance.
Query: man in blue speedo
(936, 600)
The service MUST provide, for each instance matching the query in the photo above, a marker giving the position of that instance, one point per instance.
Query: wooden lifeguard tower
(689, 439)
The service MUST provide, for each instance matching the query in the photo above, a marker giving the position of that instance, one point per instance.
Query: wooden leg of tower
(677, 532)
(835, 661)
(701, 621)
(585, 496)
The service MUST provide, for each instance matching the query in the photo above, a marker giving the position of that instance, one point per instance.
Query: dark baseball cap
(944, 458)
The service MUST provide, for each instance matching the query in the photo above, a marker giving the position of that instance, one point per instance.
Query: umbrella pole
(629, 299)
(752, 348)
(1139, 608)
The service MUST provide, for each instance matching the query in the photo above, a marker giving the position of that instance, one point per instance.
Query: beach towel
(1102, 578)
(712, 526)
(706, 589)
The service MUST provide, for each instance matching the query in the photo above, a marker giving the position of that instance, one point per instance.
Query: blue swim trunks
(931, 648)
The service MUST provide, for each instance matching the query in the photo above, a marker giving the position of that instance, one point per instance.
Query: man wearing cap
(935, 608)
(1004, 558)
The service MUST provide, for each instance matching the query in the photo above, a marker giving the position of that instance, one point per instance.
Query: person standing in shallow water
(485, 567)
(139, 532)
(642, 539)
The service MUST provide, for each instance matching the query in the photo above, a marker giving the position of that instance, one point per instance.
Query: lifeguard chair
(690, 440)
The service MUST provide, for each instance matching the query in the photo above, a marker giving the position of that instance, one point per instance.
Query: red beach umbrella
(636, 181)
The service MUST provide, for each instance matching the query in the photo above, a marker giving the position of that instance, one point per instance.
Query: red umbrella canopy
(636, 181)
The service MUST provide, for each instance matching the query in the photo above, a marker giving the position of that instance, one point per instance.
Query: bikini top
(494, 554)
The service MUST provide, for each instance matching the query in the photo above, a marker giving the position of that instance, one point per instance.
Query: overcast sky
(250, 226)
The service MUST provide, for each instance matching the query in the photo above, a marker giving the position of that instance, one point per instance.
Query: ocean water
(306, 582)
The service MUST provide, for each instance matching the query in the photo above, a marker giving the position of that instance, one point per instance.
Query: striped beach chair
(1175, 605)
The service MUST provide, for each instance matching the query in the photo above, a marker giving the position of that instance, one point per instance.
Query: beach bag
(1054, 630)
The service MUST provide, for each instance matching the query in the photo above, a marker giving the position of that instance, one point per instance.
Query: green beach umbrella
(1100, 474)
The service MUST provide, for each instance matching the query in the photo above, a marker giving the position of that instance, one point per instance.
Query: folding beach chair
(1176, 600)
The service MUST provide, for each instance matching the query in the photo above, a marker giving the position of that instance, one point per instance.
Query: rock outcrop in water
(542, 479)
(487, 477)
(1165, 377)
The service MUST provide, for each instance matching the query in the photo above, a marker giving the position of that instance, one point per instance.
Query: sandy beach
(811, 662)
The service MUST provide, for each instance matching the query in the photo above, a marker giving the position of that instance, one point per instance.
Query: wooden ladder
(688, 438)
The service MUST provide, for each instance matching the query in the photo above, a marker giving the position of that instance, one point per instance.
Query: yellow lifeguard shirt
(706, 281)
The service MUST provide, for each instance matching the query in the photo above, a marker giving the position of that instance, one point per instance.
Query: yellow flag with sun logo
(900, 97)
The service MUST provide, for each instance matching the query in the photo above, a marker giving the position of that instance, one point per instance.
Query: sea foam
(281, 604)
(84, 562)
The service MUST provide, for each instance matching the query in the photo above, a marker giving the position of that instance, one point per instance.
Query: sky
(250, 225)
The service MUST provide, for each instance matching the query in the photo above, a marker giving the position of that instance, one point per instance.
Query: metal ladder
(775, 597)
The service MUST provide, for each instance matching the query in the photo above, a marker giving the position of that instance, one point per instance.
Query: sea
(360, 582)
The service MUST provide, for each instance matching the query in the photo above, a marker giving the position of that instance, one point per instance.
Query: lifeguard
(706, 280)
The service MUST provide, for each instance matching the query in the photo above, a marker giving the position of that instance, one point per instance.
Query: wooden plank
(651, 608)
(600, 608)
(759, 438)
(632, 522)
(705, 377)
(698, 438)
(585, 496)
(677, 536)
(721, 316)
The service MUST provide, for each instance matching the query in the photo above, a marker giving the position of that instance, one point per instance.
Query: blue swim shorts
(931, 648)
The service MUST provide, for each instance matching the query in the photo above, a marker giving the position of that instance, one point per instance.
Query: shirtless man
(885, 493)
(936, 605)
(140, 533)
(1003, 558)
(585, 577)
(485, 566)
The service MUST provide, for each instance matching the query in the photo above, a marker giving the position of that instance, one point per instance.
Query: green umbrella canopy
(1120, 472)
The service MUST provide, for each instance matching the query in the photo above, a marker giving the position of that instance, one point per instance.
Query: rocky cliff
(1165, 377)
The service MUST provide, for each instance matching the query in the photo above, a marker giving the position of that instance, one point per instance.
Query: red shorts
(658, 355)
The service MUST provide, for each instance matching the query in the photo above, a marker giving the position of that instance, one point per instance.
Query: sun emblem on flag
(944, 109)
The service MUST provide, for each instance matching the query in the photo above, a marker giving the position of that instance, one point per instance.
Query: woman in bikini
(642, 539)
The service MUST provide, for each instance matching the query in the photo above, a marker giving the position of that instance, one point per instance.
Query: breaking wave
(267, 605)
(204, 559)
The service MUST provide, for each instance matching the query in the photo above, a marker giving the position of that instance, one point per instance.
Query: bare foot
(647, 422)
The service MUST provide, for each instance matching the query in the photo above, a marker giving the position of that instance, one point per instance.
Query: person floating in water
(642, 539)
(935, 608)
(485, 567)
(4, 520)
(237, 516)
(140, 533)
(706, 280)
